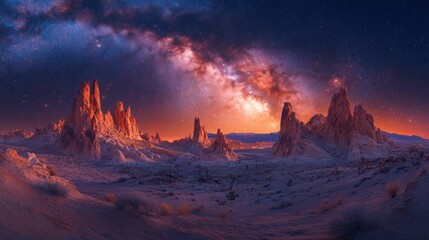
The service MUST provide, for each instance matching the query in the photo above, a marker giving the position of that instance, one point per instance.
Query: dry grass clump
(223, 213)
(328, 205)
(109, 197)
(165, 209)
(184, 209)
(147, 208)
(282, 206)
(392, 189)
(353, 222)
(133, 203)
(55, 188)
(129, 202)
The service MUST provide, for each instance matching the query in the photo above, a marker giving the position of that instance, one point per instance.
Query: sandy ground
(255, 198)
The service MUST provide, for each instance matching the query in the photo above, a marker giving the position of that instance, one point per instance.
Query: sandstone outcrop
(338, 125)
(150, 138)
(16, 135)
(86, 123)
(79, 134)
(290, 132)
(221, 146)
(316, 123)
(340, 128)
(51, 130)
(363, 123)
(200, 136)
(125, 122)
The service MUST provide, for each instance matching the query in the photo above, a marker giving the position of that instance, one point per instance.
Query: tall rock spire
(86, 123)
(338, 125)
(125, 122)
(79, 134)
(200, 135)
(221, 146)
(290, 132)
(95, 96)
(363, 122)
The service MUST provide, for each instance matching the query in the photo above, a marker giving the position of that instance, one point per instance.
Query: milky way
(232, 63)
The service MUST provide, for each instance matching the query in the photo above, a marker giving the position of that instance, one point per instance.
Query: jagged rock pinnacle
(290, 132)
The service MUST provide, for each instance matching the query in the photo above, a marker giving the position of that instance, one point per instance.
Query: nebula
(228, 63)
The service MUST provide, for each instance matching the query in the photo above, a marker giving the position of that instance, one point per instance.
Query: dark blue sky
(226, 61)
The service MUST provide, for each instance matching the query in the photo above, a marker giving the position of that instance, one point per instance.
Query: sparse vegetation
(184, 209)
(198, 209)
(351, 223)
(146, 208)
(223, 213)
(110, 197)
(392, 189)
(165, 209)
(289, 182)
(129, 202)
(55, 188)
(282, 206)
(336, 171)
(232, 195)
(328, 205)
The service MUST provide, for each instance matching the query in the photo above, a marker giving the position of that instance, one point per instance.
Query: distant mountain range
(250, 137)
(272, 137)
(405, 138)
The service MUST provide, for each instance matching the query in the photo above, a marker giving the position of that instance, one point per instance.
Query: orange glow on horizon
(239, 124)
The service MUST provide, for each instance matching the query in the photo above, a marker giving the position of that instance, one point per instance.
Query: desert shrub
(110, 197)
(336, 171)
(232, 195)
(198, 209)
(55, 188)
(282, 206)
(392, 189)
(289, 182)
(129, 202)
(147, 208)
(184, 209)
(223, 213)
(165, 209)
(328, 205)
(351, 223)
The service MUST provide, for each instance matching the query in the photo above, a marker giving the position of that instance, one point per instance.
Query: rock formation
(79, 134)
(16, 135)
(290, 132)
(86, 123)
(200, 136)
(363, 123)
(150, 138)
(109, 124)
(381, 138)
(340, 129)
(316, 123)
(50, 131)
(338, 125)
(157, 138)
(221, 146)
(125, 122)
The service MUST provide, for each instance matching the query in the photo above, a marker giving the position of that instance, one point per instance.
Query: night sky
(232, 63)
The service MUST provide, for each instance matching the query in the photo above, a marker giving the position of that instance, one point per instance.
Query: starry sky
(232, 63)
